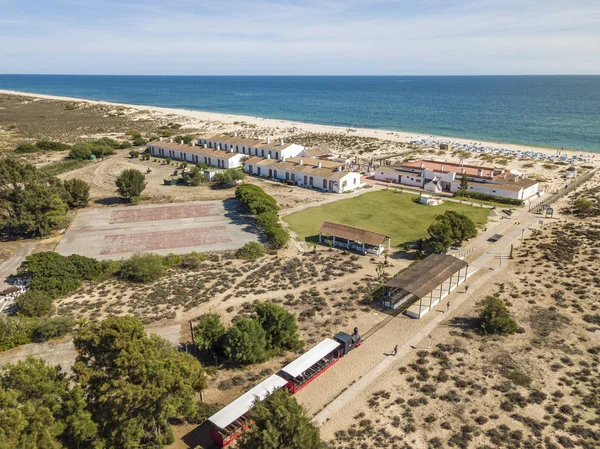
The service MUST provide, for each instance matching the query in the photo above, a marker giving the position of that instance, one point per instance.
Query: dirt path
(9, 268)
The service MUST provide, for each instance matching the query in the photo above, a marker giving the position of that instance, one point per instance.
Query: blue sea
(553, 111)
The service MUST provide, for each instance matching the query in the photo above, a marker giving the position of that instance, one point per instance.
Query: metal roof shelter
(309, 358)
(437, 273)
(238, 408)
(355, 238)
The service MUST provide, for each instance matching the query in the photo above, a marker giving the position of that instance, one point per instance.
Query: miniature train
(229, 422)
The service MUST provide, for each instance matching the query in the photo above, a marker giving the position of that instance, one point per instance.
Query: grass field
(387, 212)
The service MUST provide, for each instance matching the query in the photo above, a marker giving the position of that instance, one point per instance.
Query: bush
(79, 192)
(134, 154)
(494, 198)
(131, 183)
(279, 325)
(192, 260)
(139, 141)
(34, 303)
(269, 223)
(51, 273)
(99, 148)
(88, 269)
(26, 148)
(52, 328)
(187, 139)
(246, 342)
(255, 199)
(209, 332)
(229, 177)
(170, 260)
(47, 145)
(494, 317)
(143, 268)
(251, 251)
(202, 411)
(194, 177)
(15, 331)
(125, 144)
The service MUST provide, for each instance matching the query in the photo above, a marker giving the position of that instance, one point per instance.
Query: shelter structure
(421, 287)
(357, 239)
(229, 422)
(311, 364)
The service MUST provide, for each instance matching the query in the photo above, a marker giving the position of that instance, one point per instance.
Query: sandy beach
(231, 122)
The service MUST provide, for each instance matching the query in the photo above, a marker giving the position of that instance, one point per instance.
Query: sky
(301, 37)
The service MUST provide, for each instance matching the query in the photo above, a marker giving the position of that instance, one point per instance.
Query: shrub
(99, 148)
(269, 223)
(79, 192)
(209, 332)
(494, 198)
(26, 148)
(87, 268)
(125, 144)
(170, 260)
(202, 411)
(246, 342)
(279, 325)
(52, 328)
(34, 303)
(134, 154)
(194, 177)
(15, 331)
(187, 139)
(250, 251)
(51, 273)
(47, 145)
(255, 199)
(494, 317)
(139, 141)
(143, 268)
(229, 177)
(131, 183)
(192, 260)
(134, 133)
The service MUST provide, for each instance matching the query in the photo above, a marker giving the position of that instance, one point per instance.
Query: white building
(195, 154)
(440, 176)
(251, 146)
(319, 174)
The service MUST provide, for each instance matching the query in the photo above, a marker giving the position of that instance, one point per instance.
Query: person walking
(448, 307)
(466, 289)
(430, 341)
(395, 350)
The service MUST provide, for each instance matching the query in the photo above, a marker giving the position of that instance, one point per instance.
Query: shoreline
(229, 119)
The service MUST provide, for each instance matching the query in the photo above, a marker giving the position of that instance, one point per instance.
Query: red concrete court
(118, 232)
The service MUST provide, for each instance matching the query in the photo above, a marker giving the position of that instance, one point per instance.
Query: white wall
(212, 160)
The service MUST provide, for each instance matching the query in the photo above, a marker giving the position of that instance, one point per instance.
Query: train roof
(245, 402)
(309, 358)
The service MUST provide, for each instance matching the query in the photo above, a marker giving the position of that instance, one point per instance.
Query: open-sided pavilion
(421, 287)
(357, 239)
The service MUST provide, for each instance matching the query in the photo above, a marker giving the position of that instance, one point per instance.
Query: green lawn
(387, 212)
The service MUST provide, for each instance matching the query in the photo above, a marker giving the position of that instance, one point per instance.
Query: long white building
(439, 176)
(195, 153)
(251, 146)
(324, 175)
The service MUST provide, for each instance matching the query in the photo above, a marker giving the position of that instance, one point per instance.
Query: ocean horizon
(556, 111)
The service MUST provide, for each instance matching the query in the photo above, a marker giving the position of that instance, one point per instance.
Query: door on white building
(324, 184)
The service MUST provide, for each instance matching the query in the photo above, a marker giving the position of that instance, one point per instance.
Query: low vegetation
(251, 251)
(130, 184)
(34, 204)
(495, 318)
(492, 198)
(99, 148)
(251, 339)
(265, 209)
(42, 146)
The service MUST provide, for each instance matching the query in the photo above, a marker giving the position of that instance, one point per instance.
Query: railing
(537, 207)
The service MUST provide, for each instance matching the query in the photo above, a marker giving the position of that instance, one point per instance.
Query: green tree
(142, 268)
(280, 422)
(229, 177)
(464, 185)
(39, 410)
(131, 183)
(494, 317)
(51, 273)
(280, 326)
(449, 228)
(209, 333)
(194, 177)
(135, 384)
(79, 192)
(34, 303)
(139, 141)
(246, 342)
(251, 251)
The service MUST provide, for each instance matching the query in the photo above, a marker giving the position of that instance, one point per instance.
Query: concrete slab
(118, 232)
